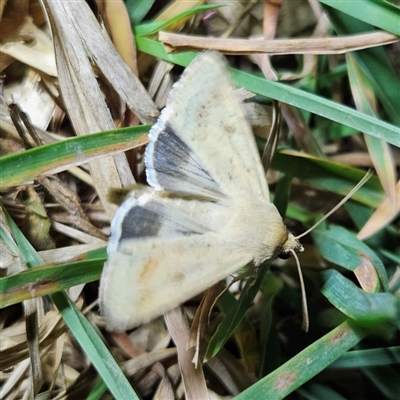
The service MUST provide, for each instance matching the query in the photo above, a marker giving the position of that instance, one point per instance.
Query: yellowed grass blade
(332, 45)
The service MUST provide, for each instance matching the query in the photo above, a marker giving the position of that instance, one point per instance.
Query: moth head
(289, 248)
(291, 244)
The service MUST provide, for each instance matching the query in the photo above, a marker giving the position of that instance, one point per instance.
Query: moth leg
(250, 268)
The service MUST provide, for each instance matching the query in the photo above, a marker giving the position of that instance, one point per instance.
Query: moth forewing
(202, 133)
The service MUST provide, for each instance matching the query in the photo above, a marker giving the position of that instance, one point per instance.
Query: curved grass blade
(343, 248)
(52, 158)
(374, 62)
(371, 309)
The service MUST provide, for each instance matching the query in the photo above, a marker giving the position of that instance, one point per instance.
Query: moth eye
(285, 255)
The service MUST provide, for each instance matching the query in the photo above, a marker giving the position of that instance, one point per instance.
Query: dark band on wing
(139, 222)
(176, 164)
(152, 220)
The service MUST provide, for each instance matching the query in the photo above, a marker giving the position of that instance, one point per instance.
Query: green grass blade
(150, 28)
(343, 248)
(305, 365)
(30, 164)
(282, 193)
(382, 14)
(315, 391)
(368, 358)
(386, 379)
(44, 280)
(367, 308)
(328, 175)
(94, 347)
(290, 95)
(235, 311)
(82, 330)
(137, 10)
(319, 106)
(379, 150)
(269, 343)
(374, 63)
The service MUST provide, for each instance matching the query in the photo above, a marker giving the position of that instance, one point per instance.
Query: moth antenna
(306, 321)
(352, 191)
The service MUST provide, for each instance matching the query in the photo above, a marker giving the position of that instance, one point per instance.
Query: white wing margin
(201, 143)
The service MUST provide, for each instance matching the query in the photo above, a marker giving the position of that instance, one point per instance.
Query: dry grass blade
(192, 377)
(78, 235)
(32, 99)
(231, 372)
(14, 379)
(65, 254)
(201, 321)
(102, 51)
(367, 275)
(32, 334)
(147, 360)
(69, 200)
(174, 8)
(117, 20)
(76, 32)
(37, 53)
(383, 215)
(333, 45)
(14, 342)
(82, 96)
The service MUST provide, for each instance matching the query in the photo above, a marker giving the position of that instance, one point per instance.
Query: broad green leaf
(364, 307)
(137, 10)
(341, 247)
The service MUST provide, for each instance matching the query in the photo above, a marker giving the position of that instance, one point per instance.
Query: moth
(207, 213)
